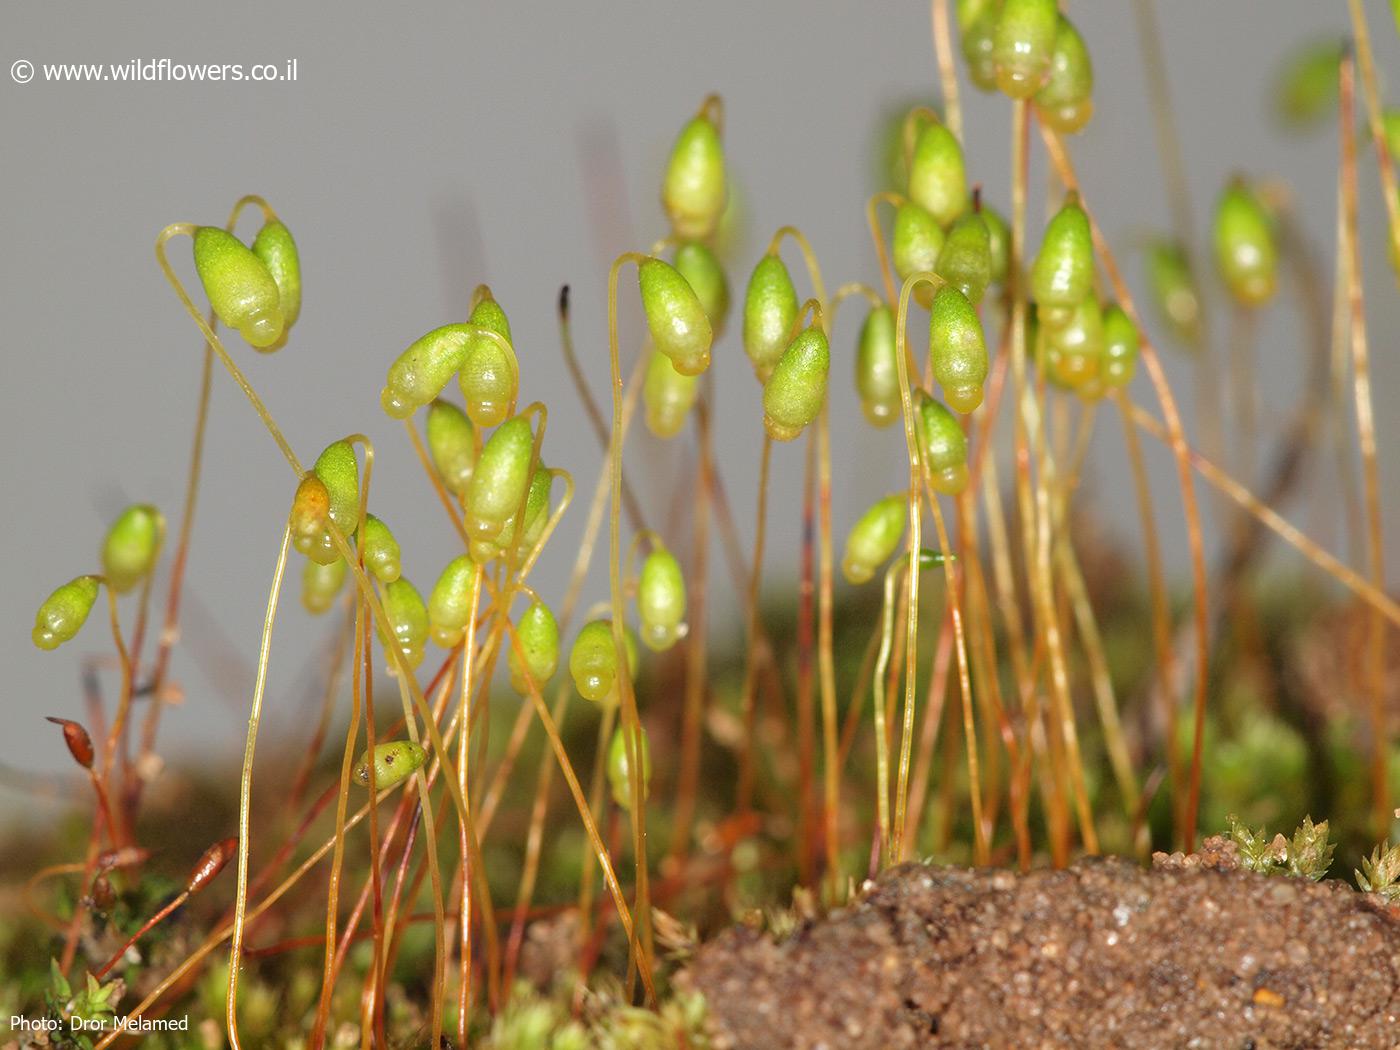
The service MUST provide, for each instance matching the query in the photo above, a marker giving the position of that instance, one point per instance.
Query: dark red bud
(211, 863)
(78, 741)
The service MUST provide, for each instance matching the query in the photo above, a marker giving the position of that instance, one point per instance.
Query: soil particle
(1103, 954)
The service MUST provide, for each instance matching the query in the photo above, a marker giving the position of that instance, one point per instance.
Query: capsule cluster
(1080, 344)
(129, 553)
(1028, 49)
(256, 290)
(479, 352)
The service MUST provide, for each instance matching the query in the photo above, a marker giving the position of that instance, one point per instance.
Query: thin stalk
(1365, 413)
(245, 792)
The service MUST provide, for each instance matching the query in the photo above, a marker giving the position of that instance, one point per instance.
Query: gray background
(422, 151)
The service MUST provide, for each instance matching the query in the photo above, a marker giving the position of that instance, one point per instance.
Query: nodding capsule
(874, 538)
(677, 320)
(320, 584)
(381, 550)
(938, 175)
(966, 259)
(241, 290)
(1245, 248)
(64, 612)
(917, 242)
(450, 602)
(593, 661)
(420, 372)
(1121, 344)
(408, 617)
(620, 770)
(278, 251)
(452, 445)
(944, 445)
(488, 376)
(77, 739)
(978, 22)
(876, 368)
(1023, 44)
(661, 600)
(500, 478)
(794, 394)
(1075, 349)
(1066, 101)
(339, 471)
(704, 273)
(310, 516)
(394, 762)
(693, 191)
(957, 349)
(538, 632)
(770, 311)
(132, 546)
(1174, 290)
(667, 396)
(1063, 272)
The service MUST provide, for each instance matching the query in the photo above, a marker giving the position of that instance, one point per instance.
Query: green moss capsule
(241, 291)
(310, 520)
(450, 602)
(998, 243)
(1307, 84)
(420, 372)
(943, 445)
(394, 763)
(381, 550)
(1063, 272)
(917, 242)
(676, 319)
(693, 190)
(64, 612)
(979, 28)
(278, 252)
(1075, 350)
(958, 349)
(501, 478)
(704, 273)
(1066, 100)
(874, 538)
(1174, 291)
(538, 632)
(536, 515)
(770, 311)
(1023, 45)
(593, 661)
(1121, 344)
(620, 771)
(489, 375)
(661, 601)
(667, 396)
(452, 445)
(320, 584)
(409, 617)
(966, 259)
(132, 546)
(1245, 250)
(796, 391)
(938, 175)
(877, 371)
(339, 471)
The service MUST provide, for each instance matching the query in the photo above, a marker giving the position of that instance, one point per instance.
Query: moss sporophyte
(965, 666)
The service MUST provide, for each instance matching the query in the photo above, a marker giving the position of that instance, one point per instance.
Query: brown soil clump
(1103, 954)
